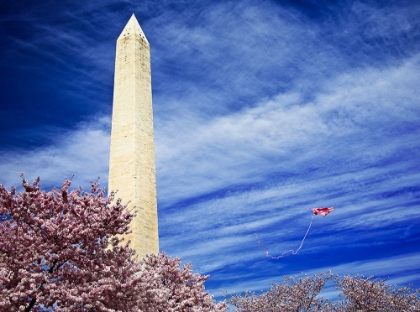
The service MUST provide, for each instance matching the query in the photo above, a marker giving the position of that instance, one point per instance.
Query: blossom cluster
(63, 250)
(358, 294)
(367, 294)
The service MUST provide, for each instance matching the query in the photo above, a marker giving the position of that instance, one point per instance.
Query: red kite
(316, 211)
(322, 211)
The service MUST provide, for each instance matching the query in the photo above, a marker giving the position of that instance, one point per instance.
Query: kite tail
(267, 254)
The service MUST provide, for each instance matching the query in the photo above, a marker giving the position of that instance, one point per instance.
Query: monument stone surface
(132, 158)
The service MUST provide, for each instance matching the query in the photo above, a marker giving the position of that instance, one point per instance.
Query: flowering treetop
(62, 250)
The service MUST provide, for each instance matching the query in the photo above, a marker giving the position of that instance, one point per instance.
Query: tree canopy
(358, 294)
(62, 250)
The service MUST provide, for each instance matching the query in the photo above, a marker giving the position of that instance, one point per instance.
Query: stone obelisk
(132, 158)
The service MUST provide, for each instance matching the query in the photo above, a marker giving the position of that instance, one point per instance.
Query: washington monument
(132, 158)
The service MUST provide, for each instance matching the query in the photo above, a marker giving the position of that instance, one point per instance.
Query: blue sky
(262, 109)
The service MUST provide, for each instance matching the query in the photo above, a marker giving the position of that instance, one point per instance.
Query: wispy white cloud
(231, 148)
(83, 153)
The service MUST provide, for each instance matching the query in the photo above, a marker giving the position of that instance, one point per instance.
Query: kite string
(286, 252)
(306, 234)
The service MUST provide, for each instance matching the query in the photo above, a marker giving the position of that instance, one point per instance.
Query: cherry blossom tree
(293, 294)
(62, 250)
(165, 287)
(371, 295)
(359, 294)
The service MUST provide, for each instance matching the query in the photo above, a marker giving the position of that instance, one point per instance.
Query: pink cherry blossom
(62, 250)
(358, 294)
